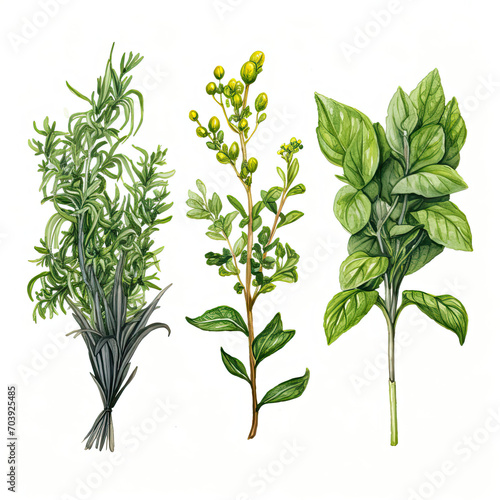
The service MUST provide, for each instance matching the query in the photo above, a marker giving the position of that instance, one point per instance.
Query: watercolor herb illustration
(98, 249)
(396, 205)
(256, 265)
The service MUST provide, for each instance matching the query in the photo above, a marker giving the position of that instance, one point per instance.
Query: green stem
(394, 413)
(391, 304)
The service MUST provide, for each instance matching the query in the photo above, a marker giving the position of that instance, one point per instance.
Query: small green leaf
(293, 170)
(197, 213)
(215, 205)
(240, 244)
(256, 223)
(352, 208)
(445, 310)
(196, 197)
(271, 339)
(201, 187)
(298, 189)
(286, 391)
(215, 236)
(281, 174)
(359, 268)
(264, 235)
(236, 204)
(346, 310)
(234, 366)
(290, 217)
(446, 225)
(228, 222)
(220, 319)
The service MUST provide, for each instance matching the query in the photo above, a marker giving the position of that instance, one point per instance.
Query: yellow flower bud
(261, 102)
(201, 132)
(243, 124)
(258, 58)
(222, 157)
(249, 72)
(193, 115)
(214, 124)
(219, 72)
(234, 151)
(237, 100)
(252, 164)
(211, 88)
(232, 84)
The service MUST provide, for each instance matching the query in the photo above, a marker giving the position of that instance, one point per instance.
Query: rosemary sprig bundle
(98, 252)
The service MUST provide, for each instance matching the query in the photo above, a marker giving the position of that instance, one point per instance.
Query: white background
(338, 430)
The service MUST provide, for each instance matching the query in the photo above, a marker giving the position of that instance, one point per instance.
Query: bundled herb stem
(259, 253)
(98, 250)
(396, 206)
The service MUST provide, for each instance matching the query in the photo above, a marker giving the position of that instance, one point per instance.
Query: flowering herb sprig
(258, 260)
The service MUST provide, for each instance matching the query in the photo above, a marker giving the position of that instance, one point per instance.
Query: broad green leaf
(286, 391)
(345, 310)
(402, 118)
(431, 181)
(364, 242)
(399, 230)
(390, 174)
(372, 189)
(447, 225)
(455, 133)
(428, 98)
(361, 157)
(426, 147)
(234, 366)
(423, 254)
(352, 208)
(236, 204)
(359, 268)
(290, 217)
(220, 319)
(445, 310)
(338, 125)
(271, 339)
